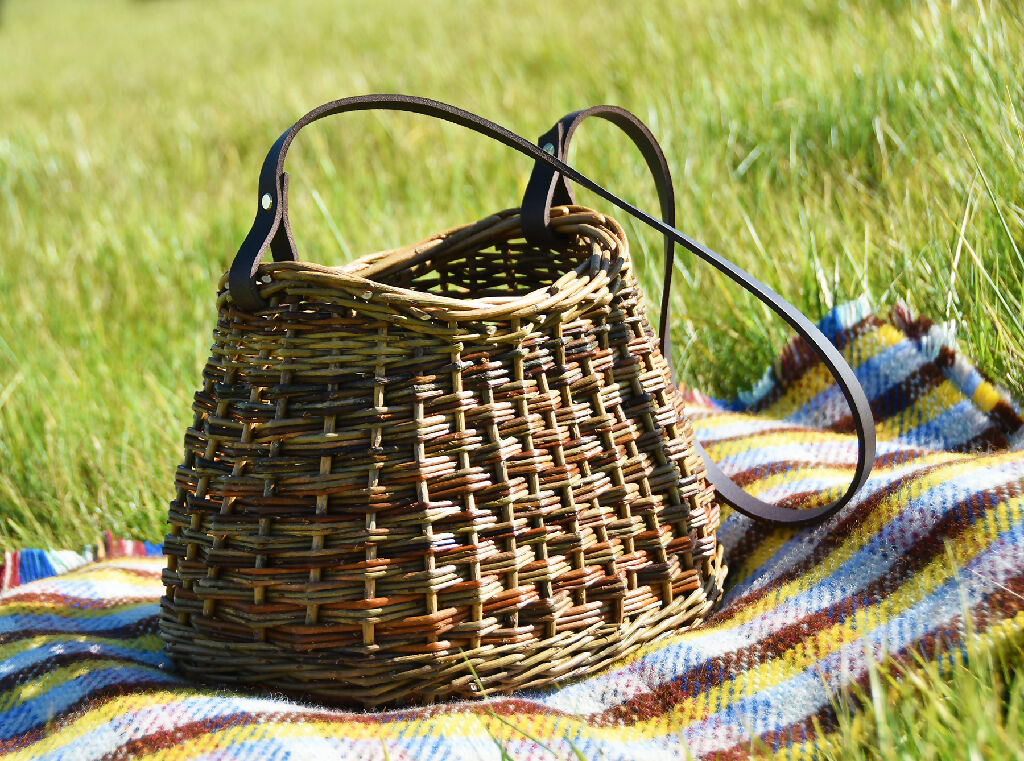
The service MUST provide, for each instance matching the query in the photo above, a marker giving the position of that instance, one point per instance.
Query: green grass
(830, 149)
(933, 710)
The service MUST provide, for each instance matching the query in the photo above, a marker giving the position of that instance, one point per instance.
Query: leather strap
(548, 188)
(271, 230)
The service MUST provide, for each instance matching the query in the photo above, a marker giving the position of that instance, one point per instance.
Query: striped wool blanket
(936, 535)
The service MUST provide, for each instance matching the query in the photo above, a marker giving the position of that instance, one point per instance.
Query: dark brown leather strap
(548, 188)
(271, 230)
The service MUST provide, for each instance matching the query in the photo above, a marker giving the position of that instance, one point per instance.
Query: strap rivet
(266, 202)
(548, 148)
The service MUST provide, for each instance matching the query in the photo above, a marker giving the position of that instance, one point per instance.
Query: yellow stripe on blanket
(986, 396)
(100, 572)
(72, 614)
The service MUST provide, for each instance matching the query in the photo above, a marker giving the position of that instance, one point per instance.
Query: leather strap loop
(548, 188)
(271, 230)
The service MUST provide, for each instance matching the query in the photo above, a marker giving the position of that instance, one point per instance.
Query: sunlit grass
(830, 151)
(966, 705)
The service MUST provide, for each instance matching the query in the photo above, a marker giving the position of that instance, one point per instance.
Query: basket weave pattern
(460, 464)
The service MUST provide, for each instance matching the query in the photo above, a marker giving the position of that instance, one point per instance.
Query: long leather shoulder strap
(271, 217)
(548, 187)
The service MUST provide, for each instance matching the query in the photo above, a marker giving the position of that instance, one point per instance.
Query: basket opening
(506, 269)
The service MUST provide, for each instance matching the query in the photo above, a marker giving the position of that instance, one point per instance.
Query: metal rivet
(266, 202)
(548, 148)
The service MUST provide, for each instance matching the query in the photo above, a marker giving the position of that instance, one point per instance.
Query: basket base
(356, 679)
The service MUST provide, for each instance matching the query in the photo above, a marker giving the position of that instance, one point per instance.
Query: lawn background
(828, 148)
(831, 149)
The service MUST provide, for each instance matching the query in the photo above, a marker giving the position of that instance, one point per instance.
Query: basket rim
(589, 281)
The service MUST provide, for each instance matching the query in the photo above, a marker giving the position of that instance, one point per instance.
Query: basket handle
(548, 187)
(271, 230)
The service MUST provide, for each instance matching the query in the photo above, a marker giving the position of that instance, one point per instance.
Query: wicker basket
(457, 467)
(424, 486)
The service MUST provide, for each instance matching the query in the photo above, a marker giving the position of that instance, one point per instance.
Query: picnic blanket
(934, 539)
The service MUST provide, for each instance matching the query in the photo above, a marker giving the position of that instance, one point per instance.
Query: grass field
(830, 149)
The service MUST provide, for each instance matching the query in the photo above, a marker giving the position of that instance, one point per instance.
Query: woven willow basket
(453, 468)
(424, 486)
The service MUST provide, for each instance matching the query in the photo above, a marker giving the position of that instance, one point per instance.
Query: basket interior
(494, 270)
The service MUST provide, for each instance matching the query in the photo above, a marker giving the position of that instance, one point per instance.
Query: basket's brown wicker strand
(456, 466)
